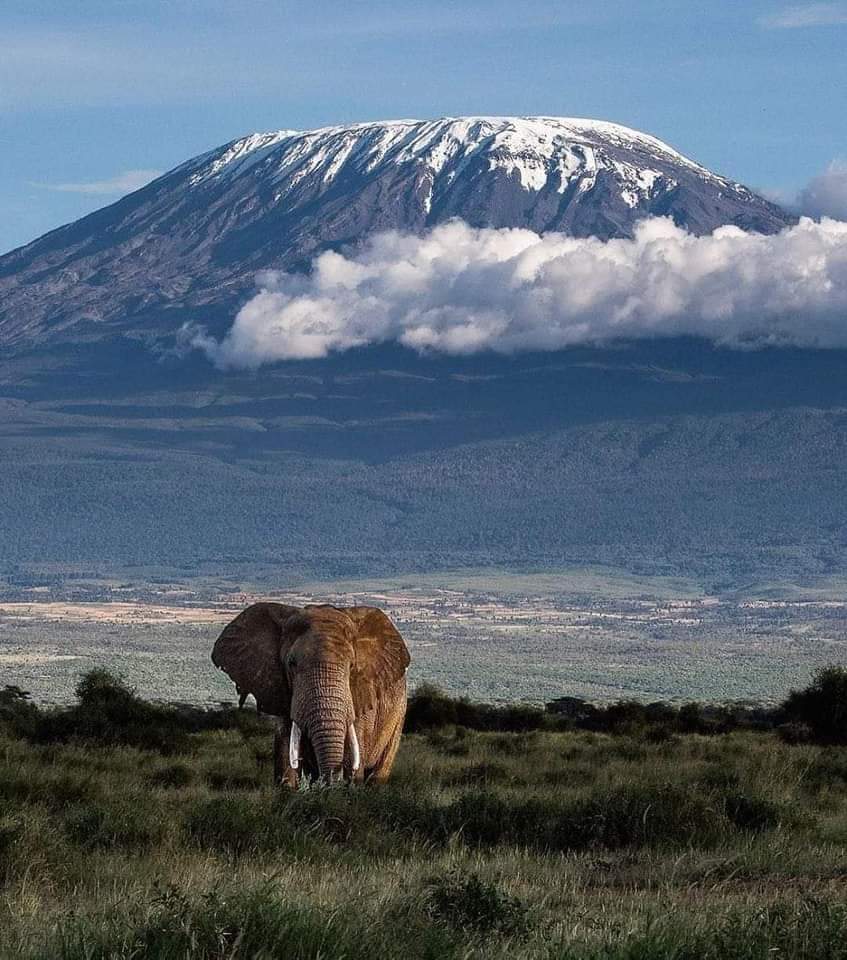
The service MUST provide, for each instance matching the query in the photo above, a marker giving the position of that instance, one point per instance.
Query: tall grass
(539, 843)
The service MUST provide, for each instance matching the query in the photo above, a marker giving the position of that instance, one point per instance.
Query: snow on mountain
(190, 243)
(534, 148)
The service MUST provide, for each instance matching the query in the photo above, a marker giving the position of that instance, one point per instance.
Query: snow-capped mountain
(666, 455)
(191, 242)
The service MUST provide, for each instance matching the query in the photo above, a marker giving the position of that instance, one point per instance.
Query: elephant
(335, 677)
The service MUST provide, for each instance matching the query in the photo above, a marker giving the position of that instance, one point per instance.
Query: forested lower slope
(721, 496)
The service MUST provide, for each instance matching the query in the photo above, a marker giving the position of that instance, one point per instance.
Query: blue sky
(96, 95)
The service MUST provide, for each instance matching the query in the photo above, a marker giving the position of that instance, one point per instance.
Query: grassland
(484, 845)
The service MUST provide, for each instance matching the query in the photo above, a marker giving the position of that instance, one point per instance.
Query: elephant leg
(381, 770)
(284, 775)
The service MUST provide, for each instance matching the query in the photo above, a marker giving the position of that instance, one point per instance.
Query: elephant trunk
(323, 708)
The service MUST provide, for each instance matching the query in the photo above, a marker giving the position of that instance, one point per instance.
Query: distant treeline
(107, 711)
(817, 713)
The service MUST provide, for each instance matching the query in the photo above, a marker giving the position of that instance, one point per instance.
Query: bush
(56, 791)
(235, 825)
(809, 930)
(108, 712)
(470, 903)
(430, 708)
(126, 824)
(222, 778)
(822, 706)
(827, 770)
(238, 927)
(575, 709)
(174, 776)
(794, 733)
(453, 741)
(481, 773)
(371, 818)
(754, 814)
(630, 815)
(660, 733)
(11, 831)
(18, 714)
(640, 815)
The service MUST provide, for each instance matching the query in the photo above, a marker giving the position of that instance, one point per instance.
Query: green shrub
(54, 790)
(754, 814)
(260, 924)
(11, 831)
(248, 723)
(471, 903)
(624, 717)
(809, 930)
(430, 708)
(223, 778)
(18, 714)
(829, 769)
(660, 733)
(514, 744)
(822, 706)
(235, 825)
(369, 817)
(629, 815)
(120, 824)
(452, 741)
(109, 713)
(794, 733)
(481, 774)
(241, 926)
(639, 815)
(174, 776)
(485, 818)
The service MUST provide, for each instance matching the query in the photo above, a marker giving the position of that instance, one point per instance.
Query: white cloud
(461, 290)
(120, 184)
(808, 15)
(826, 194)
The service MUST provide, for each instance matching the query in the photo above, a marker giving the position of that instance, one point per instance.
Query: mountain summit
(190, 243)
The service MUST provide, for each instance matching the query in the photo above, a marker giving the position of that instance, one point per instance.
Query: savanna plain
(132, 829)
(598, 633)
(139, 818)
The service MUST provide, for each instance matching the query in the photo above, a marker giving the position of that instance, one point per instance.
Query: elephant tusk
(354, 748)
(294, 747)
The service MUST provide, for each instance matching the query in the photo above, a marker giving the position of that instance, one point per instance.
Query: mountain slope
(721, 498)
(189, 244)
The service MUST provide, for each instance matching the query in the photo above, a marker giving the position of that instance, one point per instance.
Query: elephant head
(320, 668)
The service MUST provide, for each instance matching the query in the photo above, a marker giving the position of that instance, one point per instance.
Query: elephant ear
(250, 651)
(381, 657)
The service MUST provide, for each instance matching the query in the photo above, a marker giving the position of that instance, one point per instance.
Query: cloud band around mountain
(826, 194)
(461, 290)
